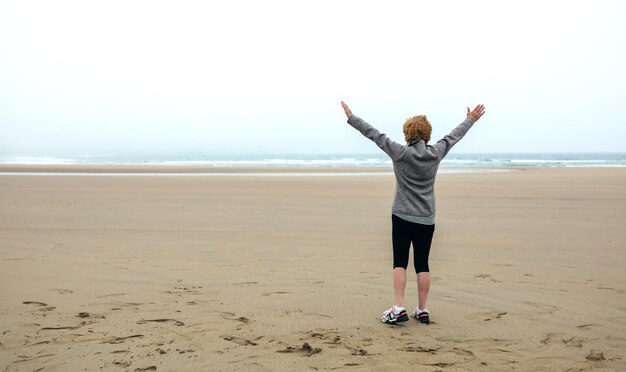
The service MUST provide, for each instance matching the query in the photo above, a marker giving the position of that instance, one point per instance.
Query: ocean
(337, 160)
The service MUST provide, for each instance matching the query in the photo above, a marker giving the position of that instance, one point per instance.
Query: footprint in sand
(574, 342)
(548, 309)
(620, 291)
(41, 306)
(549, 338)
(120, 305)
(483, 342)
(90, 315)
(447, 357)
(420, 349)
(463, 352)
(81, 324)
(240, 341)
(487, 277)
(184, 351)
(151, 368)
(595, 356)
(246, 283)
(440, 364)
(274, 293)
(129, 304)
(329, 337)
(494, 316)
(120, 340)
(62, 291)
(299, 313)
(171, 321)
(122, 364)
(305, 349)
(27, 358)
(231, 316)
(36, 303)
(182, 288)
(36, 343)
(187, 288)
(357, 351)
(558, 339)
(486, 315)
(120, 352)
(585, 326)
(334, 339)
(111, 295)
(198, 302)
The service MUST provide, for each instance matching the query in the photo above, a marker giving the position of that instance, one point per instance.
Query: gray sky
(156, 77)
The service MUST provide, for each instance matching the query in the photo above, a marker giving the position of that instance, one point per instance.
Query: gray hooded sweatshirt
(415, 166)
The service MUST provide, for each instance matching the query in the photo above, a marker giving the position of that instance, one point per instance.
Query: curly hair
(417, 128)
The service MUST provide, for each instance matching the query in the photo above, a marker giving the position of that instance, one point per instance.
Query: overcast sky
(246, 77)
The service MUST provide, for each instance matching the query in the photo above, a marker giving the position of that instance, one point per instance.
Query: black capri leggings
(403, 233)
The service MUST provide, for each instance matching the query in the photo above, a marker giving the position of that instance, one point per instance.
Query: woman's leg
(423, 286)
(401, 237)
(422, 239)
(399, 283)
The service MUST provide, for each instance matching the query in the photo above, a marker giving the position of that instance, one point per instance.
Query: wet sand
(291, 273)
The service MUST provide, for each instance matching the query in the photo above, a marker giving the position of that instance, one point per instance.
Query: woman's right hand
(346, 109)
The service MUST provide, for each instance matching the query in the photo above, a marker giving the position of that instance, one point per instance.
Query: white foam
(280, 162)
(597, 166)
(42, 160)
(543, 161)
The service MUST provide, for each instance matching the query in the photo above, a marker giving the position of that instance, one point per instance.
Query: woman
(413, 213)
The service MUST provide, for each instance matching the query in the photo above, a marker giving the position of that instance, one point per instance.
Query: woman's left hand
(476, 113)
(346, 109)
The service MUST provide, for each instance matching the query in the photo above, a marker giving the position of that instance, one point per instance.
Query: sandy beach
(291, 273)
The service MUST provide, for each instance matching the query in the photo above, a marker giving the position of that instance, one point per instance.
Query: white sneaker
(391, 317)
(422, 315)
